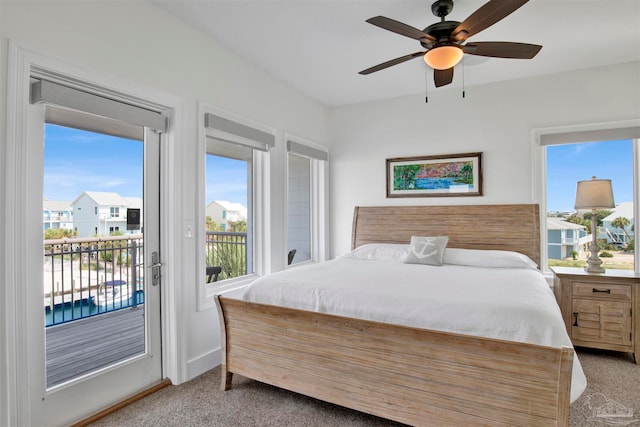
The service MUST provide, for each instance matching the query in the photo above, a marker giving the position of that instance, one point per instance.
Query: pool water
(86, 307)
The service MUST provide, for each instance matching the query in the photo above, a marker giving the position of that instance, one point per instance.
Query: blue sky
(570, 163)
(226, 180)
(77, 160)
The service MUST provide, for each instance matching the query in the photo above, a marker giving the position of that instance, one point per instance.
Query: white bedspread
(504, 303)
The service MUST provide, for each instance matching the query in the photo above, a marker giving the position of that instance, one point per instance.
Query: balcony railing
(227, 250)
(88, 276)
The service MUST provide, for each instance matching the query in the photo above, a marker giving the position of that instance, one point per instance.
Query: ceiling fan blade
(443, 77)
(400, 28)
(391, 63)
(502, 49)
(487, 15)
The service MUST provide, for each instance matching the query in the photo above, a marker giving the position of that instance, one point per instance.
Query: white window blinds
(228, 131)
(615, 134)
(306, 151)
(52, 93)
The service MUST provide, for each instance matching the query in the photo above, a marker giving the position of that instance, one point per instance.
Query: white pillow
(426, 250)
(488, 258)
(379, 252)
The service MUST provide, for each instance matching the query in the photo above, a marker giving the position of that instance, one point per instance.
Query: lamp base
(594, 263)
(594, 267)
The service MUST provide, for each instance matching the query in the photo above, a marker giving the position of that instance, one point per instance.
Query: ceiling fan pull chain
(426, 86)
(463, 78)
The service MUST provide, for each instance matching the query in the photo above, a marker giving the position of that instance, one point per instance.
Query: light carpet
(612, 398)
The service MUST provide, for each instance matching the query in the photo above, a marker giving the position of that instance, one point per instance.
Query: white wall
(136, 42)
(496, 119)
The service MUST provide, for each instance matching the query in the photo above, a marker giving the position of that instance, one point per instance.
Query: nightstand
(600, 310)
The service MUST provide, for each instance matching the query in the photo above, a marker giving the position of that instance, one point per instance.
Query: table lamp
(594, 194)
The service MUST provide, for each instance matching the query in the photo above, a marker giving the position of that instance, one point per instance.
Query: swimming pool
(86, 307)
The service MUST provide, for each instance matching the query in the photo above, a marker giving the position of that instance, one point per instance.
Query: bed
(377, 361)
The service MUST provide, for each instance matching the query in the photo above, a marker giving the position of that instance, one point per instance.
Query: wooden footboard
(415, 376)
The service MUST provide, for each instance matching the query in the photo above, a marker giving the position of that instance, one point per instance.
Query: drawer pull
(606, 291)
(575, 316)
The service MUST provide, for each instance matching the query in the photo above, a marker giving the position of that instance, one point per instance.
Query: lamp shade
(443, 57)
(594, 194)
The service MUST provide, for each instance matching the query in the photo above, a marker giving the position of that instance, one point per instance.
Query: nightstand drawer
(601, 291)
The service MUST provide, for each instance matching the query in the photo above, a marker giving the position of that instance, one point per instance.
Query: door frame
(19, 214)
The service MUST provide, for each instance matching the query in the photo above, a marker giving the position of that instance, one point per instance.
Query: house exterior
(616, 235)
(98, 213)
(57, 214)
(564, 237)
(225, 213)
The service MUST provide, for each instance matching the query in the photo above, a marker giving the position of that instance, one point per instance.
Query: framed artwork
(435, 176)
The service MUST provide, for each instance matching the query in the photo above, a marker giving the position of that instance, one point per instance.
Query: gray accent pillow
(426, 250)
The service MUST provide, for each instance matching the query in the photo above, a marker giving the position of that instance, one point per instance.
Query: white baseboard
(203, 363)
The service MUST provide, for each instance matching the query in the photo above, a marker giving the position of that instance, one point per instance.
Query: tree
(600, 215)
(623, 223)
(466, 174)
(57, 233)
(238, 226)
(404, 176)
(577, 219)
(211, 225)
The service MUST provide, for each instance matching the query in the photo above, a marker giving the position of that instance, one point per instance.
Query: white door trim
(20, 64)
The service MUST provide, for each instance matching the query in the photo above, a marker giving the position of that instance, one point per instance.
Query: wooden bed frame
(411, 375)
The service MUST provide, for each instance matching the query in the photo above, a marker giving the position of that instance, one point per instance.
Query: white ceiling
(319, 46)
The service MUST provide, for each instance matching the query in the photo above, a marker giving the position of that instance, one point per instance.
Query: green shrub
(631, 245)
(605, 254)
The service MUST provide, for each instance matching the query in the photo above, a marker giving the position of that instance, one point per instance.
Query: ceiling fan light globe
(443, 57)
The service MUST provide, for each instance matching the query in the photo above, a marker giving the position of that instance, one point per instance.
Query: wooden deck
(84, 345)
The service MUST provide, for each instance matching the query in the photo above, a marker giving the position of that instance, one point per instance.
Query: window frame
(318, 198)
(259, 207)
(618, 130)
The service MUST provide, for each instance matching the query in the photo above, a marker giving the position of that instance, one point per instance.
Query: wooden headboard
(506, 227)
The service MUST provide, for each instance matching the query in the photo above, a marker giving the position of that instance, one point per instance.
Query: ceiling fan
(444, 40)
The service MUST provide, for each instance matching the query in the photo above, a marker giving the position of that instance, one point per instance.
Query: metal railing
(227, 250)
(88, 276)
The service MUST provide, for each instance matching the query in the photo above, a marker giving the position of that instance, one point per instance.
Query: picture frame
(449, 175)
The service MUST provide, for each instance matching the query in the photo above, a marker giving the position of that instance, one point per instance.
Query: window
(236, 181)
(568, 160)
(115, 212)
(299, 209)
(306, 202)
(227, 187)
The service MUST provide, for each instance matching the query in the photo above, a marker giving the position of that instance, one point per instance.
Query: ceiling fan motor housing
(441, 31)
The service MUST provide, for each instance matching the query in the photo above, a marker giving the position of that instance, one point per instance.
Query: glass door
(98, 312)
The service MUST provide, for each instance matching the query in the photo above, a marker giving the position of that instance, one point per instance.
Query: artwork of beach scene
(419, 177)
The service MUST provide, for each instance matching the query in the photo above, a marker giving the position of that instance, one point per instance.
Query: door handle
(155, 268)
